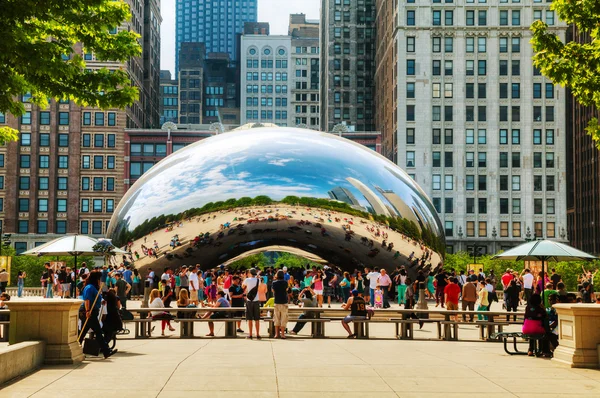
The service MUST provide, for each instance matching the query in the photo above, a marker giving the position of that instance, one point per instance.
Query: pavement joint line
(179, 364)
(477, 372)
(372, 367)
(53, 381)
(275, 366)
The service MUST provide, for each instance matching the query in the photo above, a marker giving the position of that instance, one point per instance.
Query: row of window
(267, 76)
(266, 101)
(143, 149)
(480, 206)
(475, 17)
(99, 118)
(60, 227)
(515, 137)
(504, 232)
(97, 205)
(63, 118)
(436, 159)
(267, 115)
(266, 64)
(100, 140)
(253, 89)
(479, 113)
(97, 184)
(481, 181)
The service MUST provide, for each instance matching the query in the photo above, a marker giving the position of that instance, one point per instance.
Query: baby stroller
(378, 298)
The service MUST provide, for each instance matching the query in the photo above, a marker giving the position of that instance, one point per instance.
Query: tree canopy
(574, 65)
(36, 54)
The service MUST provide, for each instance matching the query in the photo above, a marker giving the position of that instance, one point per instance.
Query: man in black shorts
(250, 286)
(358, 310)
(236, 294)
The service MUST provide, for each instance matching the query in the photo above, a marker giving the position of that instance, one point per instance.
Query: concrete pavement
(304, 367)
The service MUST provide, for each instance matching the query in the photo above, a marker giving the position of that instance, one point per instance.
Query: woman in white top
(157, 302)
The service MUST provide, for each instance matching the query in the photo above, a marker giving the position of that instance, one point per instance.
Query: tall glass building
(214, 23)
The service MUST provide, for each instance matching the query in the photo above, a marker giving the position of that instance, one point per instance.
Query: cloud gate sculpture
(278, 189)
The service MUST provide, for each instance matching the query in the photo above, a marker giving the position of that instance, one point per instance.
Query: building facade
(151, 58)
(169, 98)
(347, 64)
(305, 71)
(191, 82)
(215, 23)
(478, 127)
(265, 72)
(221, 91)
(583, 172)
(65, 174)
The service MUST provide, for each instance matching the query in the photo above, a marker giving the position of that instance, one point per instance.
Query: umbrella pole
(74, 279)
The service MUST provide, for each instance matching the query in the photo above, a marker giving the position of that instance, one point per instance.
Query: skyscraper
(216, 23)
(478, 127)
(347, 64)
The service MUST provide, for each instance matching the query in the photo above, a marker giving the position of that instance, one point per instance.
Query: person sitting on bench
(535, 319)
(358, 310)
(221, 302)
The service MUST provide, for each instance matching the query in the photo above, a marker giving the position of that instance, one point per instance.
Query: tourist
(317, 287)
(430, 286)
(137, 289)
(469, 297)
(372, 277)
(194, 286)
(236, 296)
(111, 320)
(586, 293)
(122, 289)
(184, 281)
(227, 281)
(329, 284)
(262, 289)
(358, 310)
(280, 319)
(527, 277)
(221, 302)
(184, 302)
(250, 286)
(547, 292)
(360, 283)
(384, 283)
(491, 292)
(345, 286)
(48, 280)
(562, 292)
(482, 300)
(150, 279)
(555, 278)
(535, 315)
(451, 293)
(21, 283)
(164, 317)
(128, 277)
(167, 293)
(91, 310)
(307, 300)
(441, 281)
(401, 283)
(3, 280)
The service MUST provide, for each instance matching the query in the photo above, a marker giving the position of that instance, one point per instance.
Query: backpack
(155, 280)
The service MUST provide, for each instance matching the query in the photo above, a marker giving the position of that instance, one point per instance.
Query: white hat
(284, 269)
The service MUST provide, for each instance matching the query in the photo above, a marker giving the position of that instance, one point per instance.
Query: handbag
(91, 347)
(251, 295)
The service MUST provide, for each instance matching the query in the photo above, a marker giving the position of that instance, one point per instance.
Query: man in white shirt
(527, 283)
(373, 276)
(252, 306)
(194, 285)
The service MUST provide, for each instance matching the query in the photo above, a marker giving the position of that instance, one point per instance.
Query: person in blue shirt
(91, 307)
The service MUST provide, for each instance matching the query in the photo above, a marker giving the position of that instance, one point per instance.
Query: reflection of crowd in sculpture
(239, 221)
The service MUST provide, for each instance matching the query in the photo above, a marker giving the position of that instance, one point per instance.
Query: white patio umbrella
(544, 251)
(74, 245)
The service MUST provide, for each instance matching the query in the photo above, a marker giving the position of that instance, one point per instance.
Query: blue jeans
(20, 290)
(49, 293)
(385, 290)
(372, 295)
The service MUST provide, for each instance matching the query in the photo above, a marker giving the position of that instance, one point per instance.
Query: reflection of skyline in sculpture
(344, 195)
(377, 205)
(401, 208)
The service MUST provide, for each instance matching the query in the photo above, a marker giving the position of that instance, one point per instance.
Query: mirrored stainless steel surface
(278, 189)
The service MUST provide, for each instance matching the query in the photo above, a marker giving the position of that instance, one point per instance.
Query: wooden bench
(317, 326)
(186, 329)
(142, 327)
(404, 327)
(487, 329)
(4, 327)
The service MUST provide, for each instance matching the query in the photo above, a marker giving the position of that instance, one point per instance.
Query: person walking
(384, 283)
(528, 278)
(122, 289)
(441, 282)
(194, 285)
(279, 289)
(236, 296)
(469, 297)
(401, 283)
(482, 300)
(372, 277)
(451, 293)
(250, 285)
(21, 283)
(91, 308)
(511, 298)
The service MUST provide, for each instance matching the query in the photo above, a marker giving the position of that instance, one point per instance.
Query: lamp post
(494, 234)
(460, 235)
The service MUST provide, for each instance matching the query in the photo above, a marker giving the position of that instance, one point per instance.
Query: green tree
(574, 65)
(38, 38)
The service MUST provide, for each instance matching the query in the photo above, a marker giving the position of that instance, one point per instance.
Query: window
(470, 90)
(516, 206)
(436, 137)
(503, 137)
(410, 113)
(550, 183)
(25, 139)
(63, 140)
(410, 18)
(549, 90)
(63, 183)
(86, 140)
(516, 137)
(448, 68)
(410, 90)
(503, 18)
(436, 67)
(23, 205)
(470, 205)
(503, 90)
(516, 183)
(482, 159)
(448, 183)
(470, 228)
(469, 136)
(436, 44)
(516, 90)
(436, 182)
(97, 205)
(516, 229)
(436, 88)
(111, 138)
(448, 162)
(42, 226)
(482, 18)
(537, 160)
(449, 228)
(110, 205)
(503, 44)
(470, 159)
(482, 206)
(516, 160)
(22, 228)
(549, 206)
(470, 18)
(470, 68)
(44, 161)
(503, 67)
(515, 44)
(503, 206)
(98, 183)
(481, 90)
(98, 162)
(43, 183)
(410, 136)
(26, 118)
(449, 205)
(112, 119)
(448, 44)
(549, 160)
(110, 184)
(538, 230)
(85, 162)
(63, 162)
(63, 118)
(503, 159)
(61, 205)
(436, 113)
(481, 67)
(537, 113)
(516, 17)
(482, 183)
(436, 159)
(549, 113)
(470, 182)
(481, 136)
(410, 67)
(96, 227)
(550, 17)
(449, 17)
(24, 161)
(61, 227)
(437, 18)
(481, 44)
(550, 230)
(482, 229)
(537, 90)
(24, 183)
(44, 118)
(99, 118)
(410, 159)
(410, 44)
(42, 205)
(98, 140)
(448, 113)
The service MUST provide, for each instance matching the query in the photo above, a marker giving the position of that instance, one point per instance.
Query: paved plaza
(305, 367)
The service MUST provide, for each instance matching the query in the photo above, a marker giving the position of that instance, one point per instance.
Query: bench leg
(398, 330)
(230, 329)
(481, 332)
(359, 330)
(271, 329)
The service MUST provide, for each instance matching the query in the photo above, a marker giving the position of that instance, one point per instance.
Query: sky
(276, 12)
